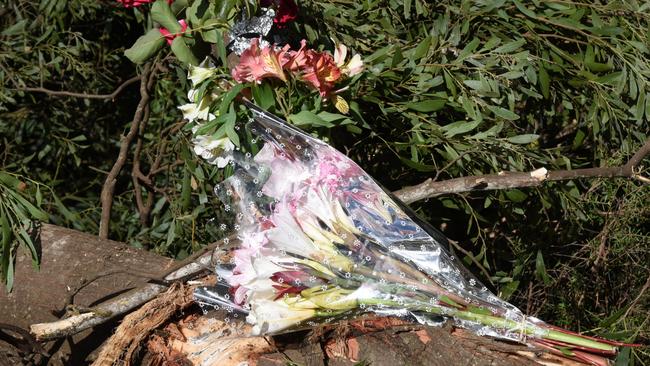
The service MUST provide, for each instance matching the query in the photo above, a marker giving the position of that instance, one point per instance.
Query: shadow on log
(78, 271)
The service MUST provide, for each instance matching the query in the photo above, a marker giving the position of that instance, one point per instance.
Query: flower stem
(525, 328)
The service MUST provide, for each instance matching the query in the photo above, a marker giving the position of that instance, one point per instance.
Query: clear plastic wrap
(320, 240)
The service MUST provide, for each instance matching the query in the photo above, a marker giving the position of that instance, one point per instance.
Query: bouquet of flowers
(320, 240)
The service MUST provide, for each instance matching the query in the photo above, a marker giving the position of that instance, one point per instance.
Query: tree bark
(77, 271)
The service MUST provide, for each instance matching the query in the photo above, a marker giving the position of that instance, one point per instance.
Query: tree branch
(507, 180)
(109, 184)
(180, 272)
(57, 93)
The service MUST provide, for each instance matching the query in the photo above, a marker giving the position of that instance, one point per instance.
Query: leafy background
(452, 88)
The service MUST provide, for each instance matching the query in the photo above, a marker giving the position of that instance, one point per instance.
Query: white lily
(285, 174)
(343, 219)
(255, 282)
(287, 234)
(213, 150)
(268, 316)
(318, 204)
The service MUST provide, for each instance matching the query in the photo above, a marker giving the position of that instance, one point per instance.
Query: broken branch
(508, 180)
(63, 93)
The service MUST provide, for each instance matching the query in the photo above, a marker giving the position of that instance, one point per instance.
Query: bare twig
(109, 184)
(123, 304)
(104, 312)
(506, 180)
(61, 93)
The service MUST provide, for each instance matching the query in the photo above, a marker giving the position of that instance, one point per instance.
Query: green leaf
(224, 8)
(10, 273)
(422, 49)
(611, 78)
(524, 9)
(474, 84)
(145, 47)
(623, 358)
(19, 27)
(544, 81)
(178, 5)
(9, 180)
(417, 166)
(39, 196)
(183, 52)
(522, 139)
(407, 9)
(308, 118)
(231, 118)
(467, 50)
(510, 46)
(610, 320)
(508, 290)
(330, 117)
(162, 14)
(186, 190)
(516, 195)
(540, 268)
(229, 97)
(503, 113)
(263, 95)
(33, 211)
(221, 49)
(426, 106)
(459, 127)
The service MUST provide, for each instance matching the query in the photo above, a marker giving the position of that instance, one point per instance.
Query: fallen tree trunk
(81, 272)
(77, 272)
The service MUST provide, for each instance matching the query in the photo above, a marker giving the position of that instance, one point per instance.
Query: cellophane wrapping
(319, 240)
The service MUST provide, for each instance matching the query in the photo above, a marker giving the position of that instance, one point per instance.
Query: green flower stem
(432, 288)
(496, 322)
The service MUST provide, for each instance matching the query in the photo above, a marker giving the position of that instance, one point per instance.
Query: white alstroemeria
(350, 68)
(268, 316)
(196, 110)
(198, 74)
(214, 151)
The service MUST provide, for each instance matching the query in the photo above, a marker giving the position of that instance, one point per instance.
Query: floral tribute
(319, 240)
(319, 70)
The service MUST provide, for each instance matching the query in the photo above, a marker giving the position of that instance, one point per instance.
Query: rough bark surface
(69, 260)
(208, 340)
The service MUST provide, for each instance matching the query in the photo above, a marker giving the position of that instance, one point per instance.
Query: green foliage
(17, 216)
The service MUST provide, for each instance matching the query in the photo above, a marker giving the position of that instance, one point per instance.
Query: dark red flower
(287, 12)
(169, 36)
(136, 3)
